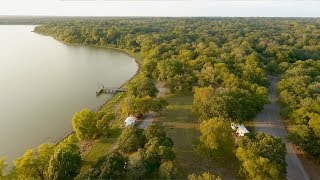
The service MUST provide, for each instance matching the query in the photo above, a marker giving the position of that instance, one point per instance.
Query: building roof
(242, 129)
(130, 120)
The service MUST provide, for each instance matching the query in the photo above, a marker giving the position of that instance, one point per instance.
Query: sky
(247, 8)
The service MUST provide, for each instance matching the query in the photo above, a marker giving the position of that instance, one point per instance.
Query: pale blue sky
(283, 8)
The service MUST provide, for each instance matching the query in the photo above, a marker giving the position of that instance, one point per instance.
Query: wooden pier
(101, 89)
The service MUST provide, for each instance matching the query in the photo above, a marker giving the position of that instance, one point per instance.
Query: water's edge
(125, 51)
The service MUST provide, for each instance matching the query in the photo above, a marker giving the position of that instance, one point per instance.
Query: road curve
(269, 121)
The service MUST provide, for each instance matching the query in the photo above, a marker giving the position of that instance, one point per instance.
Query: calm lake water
(44, 82)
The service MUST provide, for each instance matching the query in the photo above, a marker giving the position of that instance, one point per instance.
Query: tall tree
(131, 139)
(204, 176)
(262, 156)
(142, 86)
(34, 163)
(215, 133)
(112, 166)
(65, 162)
(3, 165)
(85, 124)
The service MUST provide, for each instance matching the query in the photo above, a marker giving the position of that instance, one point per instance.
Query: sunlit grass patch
(101, 148)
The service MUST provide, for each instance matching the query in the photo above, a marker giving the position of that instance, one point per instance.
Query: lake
(43, 82)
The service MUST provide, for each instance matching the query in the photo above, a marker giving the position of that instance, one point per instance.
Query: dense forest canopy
(196, 41)
(225, 58)
(224, 63)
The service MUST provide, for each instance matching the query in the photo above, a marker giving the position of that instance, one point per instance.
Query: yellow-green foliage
(84, 124)
(215, 133)
(3, 165)
(204, 176)
(262, 157)
(34, 162)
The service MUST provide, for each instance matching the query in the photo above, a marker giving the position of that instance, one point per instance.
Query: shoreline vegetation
(114, 97)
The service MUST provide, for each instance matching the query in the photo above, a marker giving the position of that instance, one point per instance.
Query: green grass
(183, 127)
(101, 148)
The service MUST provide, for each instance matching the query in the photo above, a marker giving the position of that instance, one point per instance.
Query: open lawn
(182, 126)
(100, 148)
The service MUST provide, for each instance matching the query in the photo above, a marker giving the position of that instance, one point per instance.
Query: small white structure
(234, 126)
(240, 129)
(130, 121)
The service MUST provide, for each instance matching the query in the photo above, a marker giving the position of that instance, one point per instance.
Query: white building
(240, 129)
(130, 121)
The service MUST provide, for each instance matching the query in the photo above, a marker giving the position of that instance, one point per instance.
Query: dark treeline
(36, 20)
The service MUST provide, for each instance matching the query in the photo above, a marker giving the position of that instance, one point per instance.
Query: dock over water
(101, 89)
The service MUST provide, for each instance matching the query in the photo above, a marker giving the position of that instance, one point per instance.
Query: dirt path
(269, 121)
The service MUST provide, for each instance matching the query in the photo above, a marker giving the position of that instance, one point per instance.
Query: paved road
(147, 120)
(269, 121)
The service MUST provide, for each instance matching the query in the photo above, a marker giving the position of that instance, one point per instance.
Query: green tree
(168, 142)
(305, 137)
(207, 76)
(204, 176)
(166, 153)
(103, 128)
(142, 86)
(155, 131)
(131, 139)
(112, 166)
(65, 162)
(137, 106)
(3, 165)
(149, 67)
(34, 163)
(215, 133)
(252, 72)
(152, 158)
(201, 100)
(159, 104)
(84, 124)
(176, 75)
(103, 123)
(136, 164)
(314, 123)
(236, 103)
(262, 156)
(168, 170)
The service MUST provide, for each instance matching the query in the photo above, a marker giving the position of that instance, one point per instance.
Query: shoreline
(125, 51)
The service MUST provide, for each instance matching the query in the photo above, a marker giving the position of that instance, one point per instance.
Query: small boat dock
(101, 89)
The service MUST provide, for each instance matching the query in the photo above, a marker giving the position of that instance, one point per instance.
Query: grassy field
(101, 147)
(182, 126)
